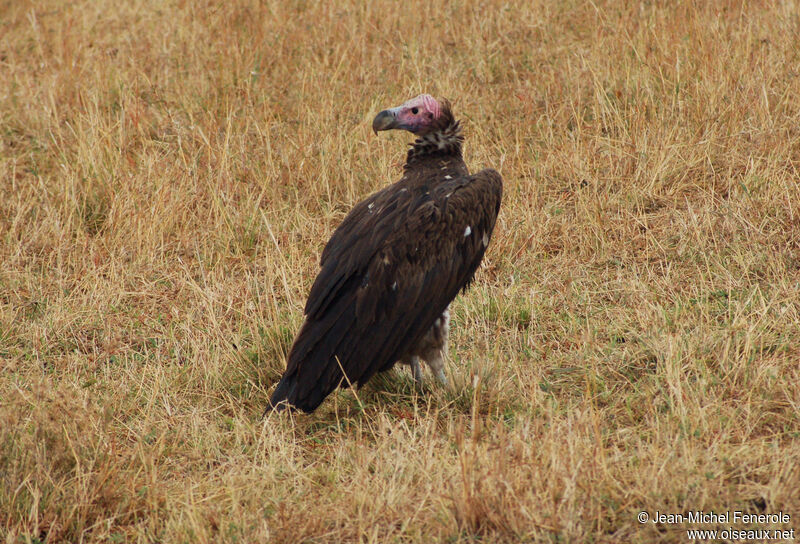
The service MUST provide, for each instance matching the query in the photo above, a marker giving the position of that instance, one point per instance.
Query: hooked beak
(385, 120)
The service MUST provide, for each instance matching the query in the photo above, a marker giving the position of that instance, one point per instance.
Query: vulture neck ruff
(442, 141)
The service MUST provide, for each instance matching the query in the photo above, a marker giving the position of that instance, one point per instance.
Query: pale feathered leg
(437, 366)
(432, 348)
(416, 370)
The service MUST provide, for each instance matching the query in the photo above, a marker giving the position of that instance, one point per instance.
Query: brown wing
(385, 279)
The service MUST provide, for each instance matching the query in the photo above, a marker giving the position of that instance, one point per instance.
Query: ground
(170, 172)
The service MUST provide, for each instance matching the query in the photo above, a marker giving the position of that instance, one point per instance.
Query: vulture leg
(437, 365)
(432, 348)
(435, 355)
(416, 369)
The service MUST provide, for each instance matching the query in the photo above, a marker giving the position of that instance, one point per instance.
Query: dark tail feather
(280, 397)
(322, 348)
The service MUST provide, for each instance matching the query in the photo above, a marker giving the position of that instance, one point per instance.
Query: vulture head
(420, 115)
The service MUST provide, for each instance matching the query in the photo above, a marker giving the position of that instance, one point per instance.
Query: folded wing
(387, 273)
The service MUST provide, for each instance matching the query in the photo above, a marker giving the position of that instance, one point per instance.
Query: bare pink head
(419, 115)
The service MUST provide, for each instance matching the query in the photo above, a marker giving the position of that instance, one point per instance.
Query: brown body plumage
(391, 269)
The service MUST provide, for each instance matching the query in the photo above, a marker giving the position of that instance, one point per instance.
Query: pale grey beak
(385, 120)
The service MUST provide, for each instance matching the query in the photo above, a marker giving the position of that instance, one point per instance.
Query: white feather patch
(467, 231)
(485, 239)
(448, 176)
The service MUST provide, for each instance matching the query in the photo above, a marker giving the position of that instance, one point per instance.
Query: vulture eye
(415, 110)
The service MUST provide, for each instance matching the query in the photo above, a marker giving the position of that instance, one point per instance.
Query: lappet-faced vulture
(391, 269)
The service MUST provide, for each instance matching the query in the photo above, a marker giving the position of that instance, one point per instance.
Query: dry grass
(171, 170)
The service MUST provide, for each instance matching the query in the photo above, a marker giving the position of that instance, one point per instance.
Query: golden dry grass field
(170, 172)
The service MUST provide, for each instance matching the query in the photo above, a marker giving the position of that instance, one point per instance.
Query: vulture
(391, 269)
